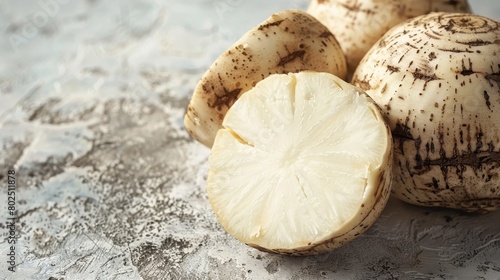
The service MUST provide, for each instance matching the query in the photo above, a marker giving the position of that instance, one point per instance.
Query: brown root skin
(435, 78)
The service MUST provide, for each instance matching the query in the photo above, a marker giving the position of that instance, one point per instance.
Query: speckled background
(110, 185)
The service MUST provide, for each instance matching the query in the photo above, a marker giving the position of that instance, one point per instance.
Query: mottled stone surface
(110, 185)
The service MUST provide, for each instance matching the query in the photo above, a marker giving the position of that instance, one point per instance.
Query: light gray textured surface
(110, 186)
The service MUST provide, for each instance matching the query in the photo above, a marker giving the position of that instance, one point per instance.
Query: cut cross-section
(302, 165)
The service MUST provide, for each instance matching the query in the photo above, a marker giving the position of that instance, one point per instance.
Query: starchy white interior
(295, 160)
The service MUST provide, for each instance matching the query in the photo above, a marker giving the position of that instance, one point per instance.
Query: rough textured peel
(288, 41)
(437, 80)
(301, 166)
(358, 24)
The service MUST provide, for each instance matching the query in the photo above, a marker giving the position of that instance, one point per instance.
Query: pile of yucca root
(314, 118)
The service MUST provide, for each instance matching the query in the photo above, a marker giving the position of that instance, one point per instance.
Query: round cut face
(298, 160)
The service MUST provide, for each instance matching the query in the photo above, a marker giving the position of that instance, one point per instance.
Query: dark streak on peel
(289, 58)
(432, 36)
(467, 71)
(421, 76)
(417, 75)
(363, 84)
(475, 43)
(442, 152)
(402, 133)
(494, 77)
(325, 34)
(356, 8)
(432, 56)
(487, 98)
(227, 98)
(276, 23)
(455, 50)
(418, 157)
(393, 69)
(474, 159)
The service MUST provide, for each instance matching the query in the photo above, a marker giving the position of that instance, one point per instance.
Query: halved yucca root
(302, 165)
